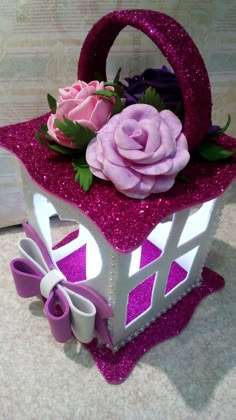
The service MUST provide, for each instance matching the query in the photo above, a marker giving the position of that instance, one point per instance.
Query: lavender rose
(140, 150)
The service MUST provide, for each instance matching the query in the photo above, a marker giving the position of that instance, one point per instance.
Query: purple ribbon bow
(69, 307)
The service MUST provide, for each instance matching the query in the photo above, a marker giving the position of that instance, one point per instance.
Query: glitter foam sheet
(124, 222)
(115, 367)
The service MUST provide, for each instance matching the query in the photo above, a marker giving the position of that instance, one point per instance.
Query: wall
(40, 42)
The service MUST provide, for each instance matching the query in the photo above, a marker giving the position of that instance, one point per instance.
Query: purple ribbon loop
(69, 306)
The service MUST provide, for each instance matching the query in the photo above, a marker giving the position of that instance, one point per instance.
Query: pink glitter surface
(124, 222)
(115, 367)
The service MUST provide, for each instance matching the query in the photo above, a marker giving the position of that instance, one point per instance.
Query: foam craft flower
(163, 80)
(140, 150)
(78, 103)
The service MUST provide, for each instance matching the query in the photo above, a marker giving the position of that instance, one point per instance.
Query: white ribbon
(83, 311)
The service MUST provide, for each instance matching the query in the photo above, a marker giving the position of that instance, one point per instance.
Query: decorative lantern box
(141, 284)
(130, 261)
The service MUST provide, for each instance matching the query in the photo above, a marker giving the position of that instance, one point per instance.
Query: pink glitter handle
(175, 44)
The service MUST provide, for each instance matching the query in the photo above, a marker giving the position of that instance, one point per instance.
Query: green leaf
(111, 84)
(118, 89)
(106, 93)
(118, 107)
(152, 97)
(78, 134)
(52, 103)
(182, 177)
(44, 130)
(225, 128)
(51, 144)
(40, 139)
(117, 77)
(80, 161)
(63, 150)
(54, 146)
(83, 174)
(212, 151)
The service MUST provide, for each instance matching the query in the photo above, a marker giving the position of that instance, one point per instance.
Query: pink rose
(140, 150)
(77, 103)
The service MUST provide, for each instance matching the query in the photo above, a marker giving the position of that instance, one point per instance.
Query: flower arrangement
(127, 133)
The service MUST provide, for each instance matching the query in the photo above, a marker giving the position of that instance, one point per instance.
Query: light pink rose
(77, 103)
(140, 150)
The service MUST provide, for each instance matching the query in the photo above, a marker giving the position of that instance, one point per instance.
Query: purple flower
(163, 80)
(140, 150)
(213, 129)
(166, 84)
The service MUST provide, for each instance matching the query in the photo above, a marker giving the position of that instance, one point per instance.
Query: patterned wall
(40, 42)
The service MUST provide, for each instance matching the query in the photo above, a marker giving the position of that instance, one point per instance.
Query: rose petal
(162, 184)
(157, 168)
(182, 142)
(101, 113)
(179, 162)
(51, 127)
(106, 138)
(78, 85)
(136, 155)
(140, 157)
(69, 92)
(122, 178)
(168, 147)
(167, 139)
(87, 124)
(142, 189)
(123, 135)
(85, 92)
(172, 121)
(82, 110)
(99, 152)
(139, 112)
(64, 140)
(96, 85)
(91, 155)
(140, 136)
(65, 107)
(99, 174)
(57, 135)
(153, 134)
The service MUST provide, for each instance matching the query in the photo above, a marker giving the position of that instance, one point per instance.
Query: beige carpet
(192, 376)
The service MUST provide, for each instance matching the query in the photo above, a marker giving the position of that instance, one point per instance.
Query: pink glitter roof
(126, 222)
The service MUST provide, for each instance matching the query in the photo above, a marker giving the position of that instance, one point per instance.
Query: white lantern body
(178, 245)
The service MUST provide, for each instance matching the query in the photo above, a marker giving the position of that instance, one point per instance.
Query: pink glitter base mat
(115, 367)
